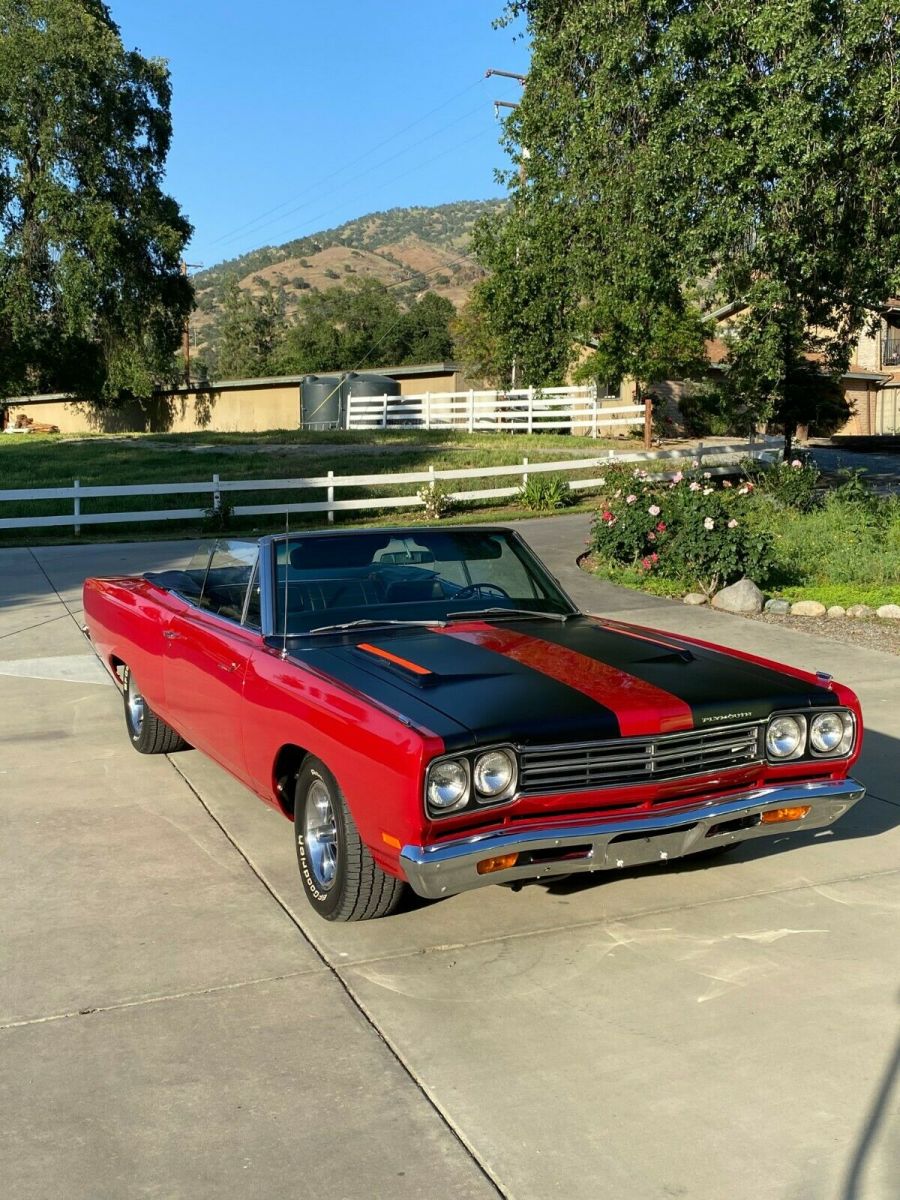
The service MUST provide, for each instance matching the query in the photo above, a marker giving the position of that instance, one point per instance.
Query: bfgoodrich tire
(148, 733)
(340, 878)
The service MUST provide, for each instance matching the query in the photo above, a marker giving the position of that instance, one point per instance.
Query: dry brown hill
(412, 250)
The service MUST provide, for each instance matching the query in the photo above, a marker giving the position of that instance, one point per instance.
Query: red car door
(205, 663)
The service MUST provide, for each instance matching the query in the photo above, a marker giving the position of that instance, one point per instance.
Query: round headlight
(495, 773)
(784, 737)
(448, 784)
(826, 732)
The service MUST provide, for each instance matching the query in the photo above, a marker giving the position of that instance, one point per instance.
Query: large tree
(92, 301)
(683, 151)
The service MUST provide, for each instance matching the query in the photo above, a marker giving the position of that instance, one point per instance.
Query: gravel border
(872, 633)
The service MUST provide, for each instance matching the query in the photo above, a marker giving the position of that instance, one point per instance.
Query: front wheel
(149, 733)
(340, 878)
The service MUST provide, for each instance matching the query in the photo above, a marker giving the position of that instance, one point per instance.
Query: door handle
(231, 666)
(171, 634)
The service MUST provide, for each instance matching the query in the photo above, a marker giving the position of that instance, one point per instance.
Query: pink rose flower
(707, 491)
(654, 510)
(796, 463)
(630, 499)
(732, 524)
(726, 483)
(660, 526)
(709, 523)
(678, 476)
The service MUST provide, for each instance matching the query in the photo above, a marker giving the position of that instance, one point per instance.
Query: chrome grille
(583, 765)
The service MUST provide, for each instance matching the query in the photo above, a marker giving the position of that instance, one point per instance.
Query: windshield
(425, 575)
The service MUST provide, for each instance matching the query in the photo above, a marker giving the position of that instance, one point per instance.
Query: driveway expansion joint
(348, 991)
(626, 918)
(140, 1002)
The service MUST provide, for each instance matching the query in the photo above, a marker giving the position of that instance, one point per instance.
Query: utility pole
(523, 154)
(186, 332)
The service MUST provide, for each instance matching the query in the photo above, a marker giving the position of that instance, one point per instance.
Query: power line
(229, 235)
(374, 167)
(313, 221)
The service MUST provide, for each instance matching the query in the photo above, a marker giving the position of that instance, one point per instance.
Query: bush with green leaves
(685, 529)
(791, 484)
(437, 500)
(543, 493)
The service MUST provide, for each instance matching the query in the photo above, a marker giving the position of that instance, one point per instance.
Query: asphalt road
(177, 1024)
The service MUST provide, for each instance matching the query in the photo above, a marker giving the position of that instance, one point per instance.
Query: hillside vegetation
(411, 251)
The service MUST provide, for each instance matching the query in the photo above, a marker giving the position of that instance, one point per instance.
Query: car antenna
(286, 564)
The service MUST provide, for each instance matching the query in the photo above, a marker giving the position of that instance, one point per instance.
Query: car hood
(540, 682)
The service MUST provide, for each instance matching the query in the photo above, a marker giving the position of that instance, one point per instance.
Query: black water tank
(353, 384)
(321, 402)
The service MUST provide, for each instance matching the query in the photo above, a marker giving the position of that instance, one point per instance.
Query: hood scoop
(668, 656)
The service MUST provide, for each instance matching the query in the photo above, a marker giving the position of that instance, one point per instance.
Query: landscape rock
(742, 597)
(836, 611)
(807, 608)
(696, 598)
(860, 610)
(888, 612)
(778, 608)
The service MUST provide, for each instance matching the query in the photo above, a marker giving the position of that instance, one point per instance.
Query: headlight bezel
(496, 797)
(806, 750)
(473, 799)
(848, 741)
(803, 734)
(443, 810)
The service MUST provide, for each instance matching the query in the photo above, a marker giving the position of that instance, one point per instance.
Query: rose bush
(686, 529)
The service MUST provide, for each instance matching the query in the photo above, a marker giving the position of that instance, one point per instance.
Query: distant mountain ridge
(412, 250)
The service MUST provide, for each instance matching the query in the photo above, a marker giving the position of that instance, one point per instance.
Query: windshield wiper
(515, 614)
(373, 622)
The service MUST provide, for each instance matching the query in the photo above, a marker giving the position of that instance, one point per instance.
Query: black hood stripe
(717, 686)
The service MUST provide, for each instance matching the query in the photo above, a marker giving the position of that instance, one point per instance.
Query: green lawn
(36, 461)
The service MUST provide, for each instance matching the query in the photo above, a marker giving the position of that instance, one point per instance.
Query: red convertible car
(430, 708)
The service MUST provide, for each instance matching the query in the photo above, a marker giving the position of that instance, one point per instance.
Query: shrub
(542, 493)
(791, 485)
(437, 501)
(686, 530)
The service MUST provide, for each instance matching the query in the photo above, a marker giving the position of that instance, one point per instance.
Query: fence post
(699, 456)
(384, 401)
(471, 410)
(217, 495)
(648, 422)
(594, 417)
(428, 410)
(76, 484)
(330, 499)
(525, 472)
(530, 411)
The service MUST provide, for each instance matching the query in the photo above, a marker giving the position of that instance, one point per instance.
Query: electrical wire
(230, 235)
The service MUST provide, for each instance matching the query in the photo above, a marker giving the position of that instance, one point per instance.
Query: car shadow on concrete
(877, 1136)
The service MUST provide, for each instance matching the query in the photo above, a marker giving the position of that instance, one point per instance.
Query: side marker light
(776, 815)
(500, 863)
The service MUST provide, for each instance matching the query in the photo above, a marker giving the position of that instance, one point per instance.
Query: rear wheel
(149, 733)
(340, 878)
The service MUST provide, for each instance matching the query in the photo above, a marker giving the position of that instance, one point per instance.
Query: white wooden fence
(521, 410)
(216, 489)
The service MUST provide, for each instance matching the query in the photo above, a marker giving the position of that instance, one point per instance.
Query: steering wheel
(481, 589)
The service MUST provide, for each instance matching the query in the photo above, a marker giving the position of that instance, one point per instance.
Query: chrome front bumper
(445, 868)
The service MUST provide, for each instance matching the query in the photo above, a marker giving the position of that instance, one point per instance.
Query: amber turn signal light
(500, 863)
(776, 815)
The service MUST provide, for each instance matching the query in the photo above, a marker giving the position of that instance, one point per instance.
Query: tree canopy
(678, 155)
(338, 329)
(91, 297)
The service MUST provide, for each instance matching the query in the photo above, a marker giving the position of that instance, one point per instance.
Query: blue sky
(323, 111)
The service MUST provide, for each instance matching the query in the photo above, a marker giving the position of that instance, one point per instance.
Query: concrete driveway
(176, 1023)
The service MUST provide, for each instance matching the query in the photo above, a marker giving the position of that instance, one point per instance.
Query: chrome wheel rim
(320, 834)
(135, 703)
